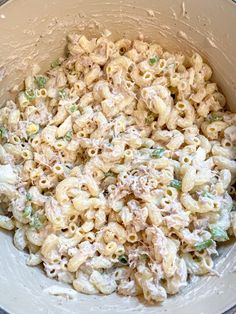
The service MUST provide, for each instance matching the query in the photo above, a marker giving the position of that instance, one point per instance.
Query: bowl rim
(231, 310)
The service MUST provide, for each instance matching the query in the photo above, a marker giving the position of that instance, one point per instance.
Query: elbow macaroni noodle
(117, 166)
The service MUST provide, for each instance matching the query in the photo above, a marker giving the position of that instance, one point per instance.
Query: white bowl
(35, 31)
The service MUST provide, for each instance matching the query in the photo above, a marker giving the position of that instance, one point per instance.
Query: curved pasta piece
(64, 186)
(103, 282)
(82, 284)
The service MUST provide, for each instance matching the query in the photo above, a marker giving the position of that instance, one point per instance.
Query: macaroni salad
(117, 166)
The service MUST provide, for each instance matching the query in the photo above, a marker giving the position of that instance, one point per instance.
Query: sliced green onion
(203, 245)
(109, 174)
(214, 117)
(40, 81)
(197, 259)
(153, 60)
(73, 108)
(28, 196)
(158, 153)
(3, 132)
(206, 194)
(62, 93)
(123, 259)
(55, 63)
(30, 94)
(177, 184)
(143, 257)
(149, 119)
(27, 212)
(37, 221)
(68, 136)
(219, 234)
(233, 209)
